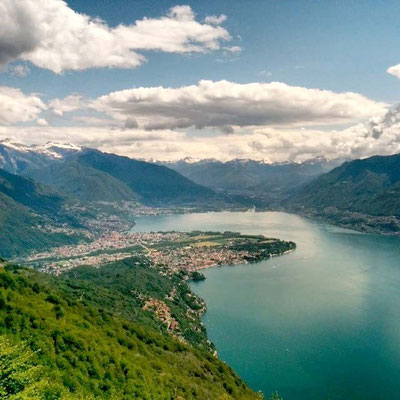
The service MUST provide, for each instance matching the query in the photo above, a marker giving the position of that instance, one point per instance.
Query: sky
(274, 80)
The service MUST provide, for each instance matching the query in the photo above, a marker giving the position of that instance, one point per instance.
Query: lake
(320, 323)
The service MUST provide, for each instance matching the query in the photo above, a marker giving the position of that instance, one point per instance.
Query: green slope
(387, 203)
(92, 338)
(83, 182)
(369, 186)
(26, 207)
(19, 232)
(155, 184)
(29, 193)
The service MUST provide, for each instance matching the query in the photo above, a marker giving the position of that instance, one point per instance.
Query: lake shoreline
(275, 323)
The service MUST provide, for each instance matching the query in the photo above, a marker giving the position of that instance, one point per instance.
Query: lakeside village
(173, 254)
(173, 251)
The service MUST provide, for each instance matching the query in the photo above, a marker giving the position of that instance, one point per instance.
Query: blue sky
(339, 46)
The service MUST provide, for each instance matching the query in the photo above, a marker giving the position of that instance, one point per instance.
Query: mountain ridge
(361, 194)
(83, 182)
(149, 183)
(253, 182)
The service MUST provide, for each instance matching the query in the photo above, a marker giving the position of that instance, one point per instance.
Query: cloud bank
(269, 144)
(222, 104)
(269, 121)
(51, 35)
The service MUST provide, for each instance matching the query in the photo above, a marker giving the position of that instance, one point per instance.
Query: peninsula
(173, 251)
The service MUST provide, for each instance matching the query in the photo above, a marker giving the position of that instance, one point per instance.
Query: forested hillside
(28, 212)
(27, 192)
(20, 230)
(361, 193)
(91, 334)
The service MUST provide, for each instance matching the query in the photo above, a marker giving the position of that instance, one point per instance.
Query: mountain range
(368, 188)
(91, 175)
(253, 182)
(18, 158)
(40, 184)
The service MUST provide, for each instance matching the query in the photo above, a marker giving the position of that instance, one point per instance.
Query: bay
(320, 323)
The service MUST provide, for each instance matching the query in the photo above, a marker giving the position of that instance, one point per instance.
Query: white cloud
(103, 137)
(378, 136)
(19, 70)
(395, 70)
(68, 104)
(18, 30)
(274, 122)
(53, 36)
(93, 121)
(223, 103)
(15, 106)
(214, 20)
(131, 123)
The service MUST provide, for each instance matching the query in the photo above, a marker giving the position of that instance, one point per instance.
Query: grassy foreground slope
(90, 336)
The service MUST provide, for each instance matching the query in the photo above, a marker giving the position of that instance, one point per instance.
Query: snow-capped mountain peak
(56, 150)
(16, 157)
(14, 145)
(190, 160)
(67, 146)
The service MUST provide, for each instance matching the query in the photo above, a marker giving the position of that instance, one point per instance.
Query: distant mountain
(83, 182)
(262, 182)
(26, 207)
(156, 185)
(18, 158)
(91, 175)
(361, 194)
(370, 186)
(30, 194)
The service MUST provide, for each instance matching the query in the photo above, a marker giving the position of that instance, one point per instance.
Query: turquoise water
(320, 323)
